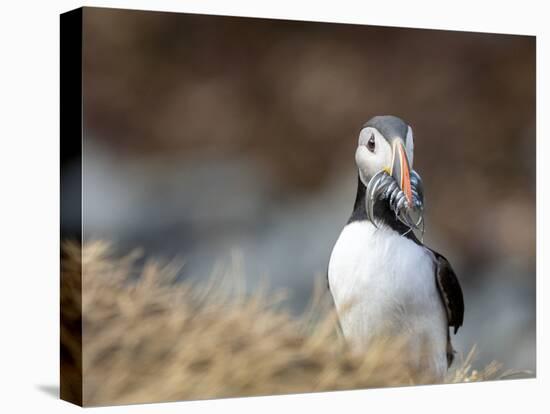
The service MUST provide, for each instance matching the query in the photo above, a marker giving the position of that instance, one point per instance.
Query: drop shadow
(50, 389)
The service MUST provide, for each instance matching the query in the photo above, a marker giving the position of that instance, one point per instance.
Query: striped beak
(400, 169)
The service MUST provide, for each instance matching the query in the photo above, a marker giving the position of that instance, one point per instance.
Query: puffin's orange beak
(400, 169)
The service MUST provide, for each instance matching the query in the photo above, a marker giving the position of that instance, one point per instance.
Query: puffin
(384, 281)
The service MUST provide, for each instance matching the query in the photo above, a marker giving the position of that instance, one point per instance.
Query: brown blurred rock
(293, 95)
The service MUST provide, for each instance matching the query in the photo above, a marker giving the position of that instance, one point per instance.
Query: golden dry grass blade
(148, 339)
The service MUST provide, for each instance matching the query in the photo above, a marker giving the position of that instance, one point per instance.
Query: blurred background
(208, 138)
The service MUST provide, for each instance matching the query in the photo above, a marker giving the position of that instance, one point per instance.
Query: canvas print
(258, 206)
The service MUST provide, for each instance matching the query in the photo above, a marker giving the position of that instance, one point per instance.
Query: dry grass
(149, 339)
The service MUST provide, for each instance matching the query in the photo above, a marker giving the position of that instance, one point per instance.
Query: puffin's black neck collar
(382, 213)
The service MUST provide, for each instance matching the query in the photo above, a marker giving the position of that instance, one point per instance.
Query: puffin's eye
(371, 144)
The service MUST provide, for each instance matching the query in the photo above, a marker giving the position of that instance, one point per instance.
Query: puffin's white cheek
(369, 163)
(362, 158)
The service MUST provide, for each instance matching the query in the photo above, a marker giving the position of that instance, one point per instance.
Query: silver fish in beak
(383, 186)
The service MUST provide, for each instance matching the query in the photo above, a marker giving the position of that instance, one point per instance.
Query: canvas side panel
(71, 206)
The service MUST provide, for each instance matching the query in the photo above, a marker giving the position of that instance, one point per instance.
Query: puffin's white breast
(384, 283)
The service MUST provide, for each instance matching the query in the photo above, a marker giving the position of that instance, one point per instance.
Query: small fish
(383, 186)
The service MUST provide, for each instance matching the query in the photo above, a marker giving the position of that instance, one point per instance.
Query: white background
(29, 206)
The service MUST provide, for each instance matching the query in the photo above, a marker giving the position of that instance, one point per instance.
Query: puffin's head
(386, 144)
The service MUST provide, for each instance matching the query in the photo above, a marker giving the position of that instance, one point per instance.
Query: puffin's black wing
(450, 291)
